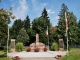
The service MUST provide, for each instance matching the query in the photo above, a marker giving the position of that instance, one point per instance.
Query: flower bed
(36, 49)
(45, 49)
(15, 58)
(28, 49)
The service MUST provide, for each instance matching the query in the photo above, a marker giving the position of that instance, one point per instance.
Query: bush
(55, 46)
(5, 48)
(36, 49)
(19, 46)
(45, 49)
(28, 49)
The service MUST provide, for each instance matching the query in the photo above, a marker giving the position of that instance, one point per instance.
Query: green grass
(74, 54)
(3, 56)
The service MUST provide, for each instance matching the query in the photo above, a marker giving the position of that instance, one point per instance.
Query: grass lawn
(3, 56)
(74, 54)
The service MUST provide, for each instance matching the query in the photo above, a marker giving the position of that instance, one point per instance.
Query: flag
(66, 21)
(47, 32)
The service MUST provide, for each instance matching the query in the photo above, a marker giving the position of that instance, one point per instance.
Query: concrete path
(49, 55)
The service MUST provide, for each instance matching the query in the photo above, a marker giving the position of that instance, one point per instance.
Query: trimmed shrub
(28, 49)
(45, 49)
(36, 49)
(19, 46)
(55, 46)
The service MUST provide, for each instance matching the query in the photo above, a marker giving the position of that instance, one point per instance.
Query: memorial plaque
(61, 44)
(12, 45)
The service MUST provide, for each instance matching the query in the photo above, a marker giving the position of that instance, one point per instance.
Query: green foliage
(55, 46)
(31, 34)
(5, 48)
(26, 23)
(72, 26)
(74, 54)
(60, 32)
(19, 46)
(3, 24)
(22, 36)
(14, 30)
(72, 31)
(5, 16)
(39, 25)
(78, 32)
(45, 14)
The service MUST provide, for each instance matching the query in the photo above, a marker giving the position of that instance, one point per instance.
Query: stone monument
(37, 44)
(61, 45)
(12, 45)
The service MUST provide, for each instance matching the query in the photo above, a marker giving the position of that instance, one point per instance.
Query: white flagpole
(48, 37)
(66, 31)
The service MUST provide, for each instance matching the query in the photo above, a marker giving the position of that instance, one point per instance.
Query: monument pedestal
(61, 45)
(37, 44)
(12, 46)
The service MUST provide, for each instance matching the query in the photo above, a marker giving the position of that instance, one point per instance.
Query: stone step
(38, 58)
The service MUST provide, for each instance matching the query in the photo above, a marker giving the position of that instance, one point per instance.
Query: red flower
(36, 49)
(59, 56)
(28, 49)
(16, 57)
(45, 49)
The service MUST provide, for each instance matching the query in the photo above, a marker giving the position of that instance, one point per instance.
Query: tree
(78, 32)
(44, 13)
(31, 34)
(5, 16)
(52, 33)
(72, 24)
(61, 30)
(0, 0)
(22, 36)
(27, 23)
(72, 31)
(39, 25)
(14, 30)
(46, 17)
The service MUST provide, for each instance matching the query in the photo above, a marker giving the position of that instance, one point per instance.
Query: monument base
(61, 49)
(12, 50)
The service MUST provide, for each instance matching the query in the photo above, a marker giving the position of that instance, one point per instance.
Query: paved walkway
(49, 55)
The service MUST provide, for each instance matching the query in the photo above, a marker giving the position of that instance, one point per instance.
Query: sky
(34, 8)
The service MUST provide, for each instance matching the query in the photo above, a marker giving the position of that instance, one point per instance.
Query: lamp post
(7, 40)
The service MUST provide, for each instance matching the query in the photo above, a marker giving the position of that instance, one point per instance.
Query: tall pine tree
(72, 24)
(27, 23)
(61, 29)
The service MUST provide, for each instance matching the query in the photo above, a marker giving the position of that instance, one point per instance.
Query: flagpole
(48, 38)
(66, 30)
